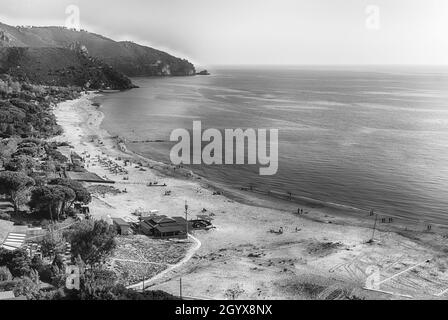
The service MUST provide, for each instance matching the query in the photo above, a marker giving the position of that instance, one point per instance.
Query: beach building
(161, 226)
(123, 227)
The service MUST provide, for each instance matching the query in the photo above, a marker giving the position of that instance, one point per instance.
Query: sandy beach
(321, 254)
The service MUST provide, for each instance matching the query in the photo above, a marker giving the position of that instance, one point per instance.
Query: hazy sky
(261, 31)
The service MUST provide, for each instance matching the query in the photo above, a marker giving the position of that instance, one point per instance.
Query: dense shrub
(21, 163)
(27, 151)
(5, 274)
(5, 216)
(28, 113)
(92, 240)
(51, 200)
(48, 272)
(16, 261)
(36, 263)
(56, 155)
(34, 141)
(16, 185)
(82, 194)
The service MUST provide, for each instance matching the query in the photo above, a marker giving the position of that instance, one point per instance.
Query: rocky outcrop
(78, 47)
(203, 73)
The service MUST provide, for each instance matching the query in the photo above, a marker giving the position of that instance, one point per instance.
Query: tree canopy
(17, 262)
(15, 184)
(21, 162)
(82, 194)
(51, 199)
(52, 243)
(92, 240)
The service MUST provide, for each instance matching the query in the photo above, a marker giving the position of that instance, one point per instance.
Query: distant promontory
(50, 55)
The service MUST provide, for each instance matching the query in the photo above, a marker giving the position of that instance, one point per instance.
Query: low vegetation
(62, 67)
(25, 276)
(25, 109)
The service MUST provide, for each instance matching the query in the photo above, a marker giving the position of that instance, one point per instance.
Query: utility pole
(186, 216)
(374, 226)
(180, 288)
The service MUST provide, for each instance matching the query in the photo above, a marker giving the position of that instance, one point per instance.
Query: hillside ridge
(60, 67)
(125, 56)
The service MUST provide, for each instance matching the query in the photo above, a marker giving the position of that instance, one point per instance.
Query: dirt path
(142, 261)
